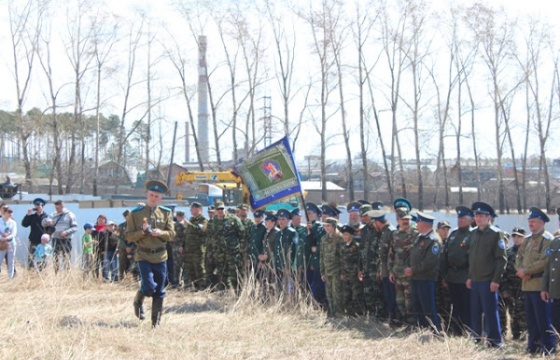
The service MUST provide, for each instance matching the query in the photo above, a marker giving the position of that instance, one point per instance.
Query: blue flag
(270, 174)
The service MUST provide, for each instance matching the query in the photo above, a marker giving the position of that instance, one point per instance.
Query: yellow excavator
(224, 186)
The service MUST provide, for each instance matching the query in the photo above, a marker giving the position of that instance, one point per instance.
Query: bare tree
(26, 22)
(104, 38)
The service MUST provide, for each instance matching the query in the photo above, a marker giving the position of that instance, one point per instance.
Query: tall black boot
(138, 305)
(157, 305)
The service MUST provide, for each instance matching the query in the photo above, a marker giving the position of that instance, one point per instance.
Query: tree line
(383, 80)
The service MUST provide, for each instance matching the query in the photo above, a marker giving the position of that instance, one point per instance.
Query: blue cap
(330, 210)
(402, 202)
(464, 211)
(157, 186)
(271, 216)
(258, 213)
(480, 207)
(296, 212)
(378, 205)
(353, 206)
(284, 213)
(39, 201)
(425, 217)
(88, 226)
(535, 212)
(347, 229)
(312, 207)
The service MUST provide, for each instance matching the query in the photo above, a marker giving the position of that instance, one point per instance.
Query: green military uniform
(370, 249)
(303, 250)
(511, 297)
(351, 287)
(126, 253)
(248, 224)
(193, 254)
(180, 277)
(284, 252)
(223, 257)
(256, 244)
(551, 274)
(330, 269)
(150, 248)
(399, 252)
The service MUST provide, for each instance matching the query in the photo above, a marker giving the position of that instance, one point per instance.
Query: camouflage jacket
(195, 232)
(369, 248)
(349, 260)
(225, 232)
(399, 250)
(330, 255)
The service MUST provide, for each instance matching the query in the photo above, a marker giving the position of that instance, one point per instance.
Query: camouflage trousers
(180, 277)
(352, 299)
(515, 306)
(443, 303)
(334, 296)
(404, 298)
(193, 260)
(373, 296)
(222, 267)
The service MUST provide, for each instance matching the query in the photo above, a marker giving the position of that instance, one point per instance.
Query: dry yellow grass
(62, 316)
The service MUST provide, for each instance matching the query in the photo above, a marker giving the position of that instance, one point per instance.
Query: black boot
(157, 305)
(138, 305)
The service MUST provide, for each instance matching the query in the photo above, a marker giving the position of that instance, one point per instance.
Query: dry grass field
(48, 316)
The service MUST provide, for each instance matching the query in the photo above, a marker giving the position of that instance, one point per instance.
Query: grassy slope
(65, 317)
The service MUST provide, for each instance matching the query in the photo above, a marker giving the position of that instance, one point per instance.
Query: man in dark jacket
(33, 219)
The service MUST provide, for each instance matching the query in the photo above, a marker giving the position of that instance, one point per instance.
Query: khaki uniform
(531, 256)
(150, 248)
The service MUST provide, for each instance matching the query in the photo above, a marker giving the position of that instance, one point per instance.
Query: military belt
(538, 275)
(151, 251)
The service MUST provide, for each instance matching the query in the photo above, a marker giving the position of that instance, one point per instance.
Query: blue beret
(353, 206)
(463, 211)
(425, 217)
(284, 213)
(312, 207)
(480, 207)
(39, 201)
(535, 212)
(157, 186)
(402, 202)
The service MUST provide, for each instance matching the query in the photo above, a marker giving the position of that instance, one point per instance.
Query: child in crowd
(87, 249)
(43, 253)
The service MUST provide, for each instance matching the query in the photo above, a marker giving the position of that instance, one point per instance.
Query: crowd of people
(414, 273)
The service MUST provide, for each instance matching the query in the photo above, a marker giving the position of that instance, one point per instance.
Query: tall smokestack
(202, 101)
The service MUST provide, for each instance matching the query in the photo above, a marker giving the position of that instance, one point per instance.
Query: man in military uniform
(369, 264)
(330, 265)
(354, 220)
(211, 211)
(511, 289)
(388, 288)
(443, 302)
(350, 265)
(284, 250)
(423, 270)
(33, 220)
(192, 246)
(303, 248)
(150, 227)
(531, 262)
(179, 275)
(399, 252)
(550, 291)
(125, 249)
(223, 257)
(315, 233)
(455, 269)
(487, 262)
(255, 240)
(243, 214)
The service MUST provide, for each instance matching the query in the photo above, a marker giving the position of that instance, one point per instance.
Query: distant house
(107, 175)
